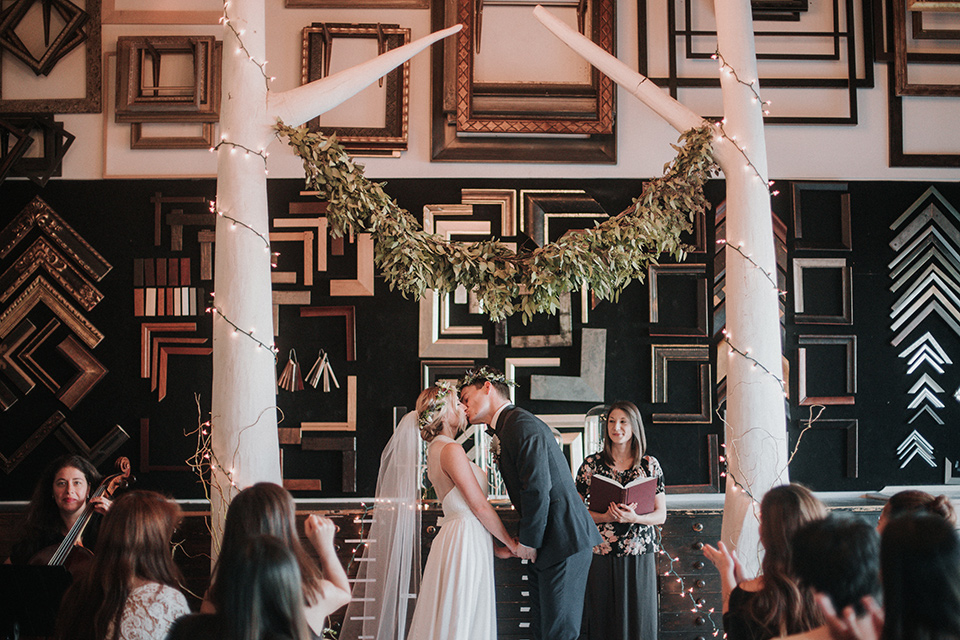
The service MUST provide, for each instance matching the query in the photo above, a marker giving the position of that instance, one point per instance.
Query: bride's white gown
(457, 599)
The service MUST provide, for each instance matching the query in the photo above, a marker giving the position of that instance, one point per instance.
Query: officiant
(621, 597)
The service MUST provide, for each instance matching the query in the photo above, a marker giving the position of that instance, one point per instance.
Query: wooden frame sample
(655, 273)
(435, 371)
(25, 353)
(165, 353)
(895, 117)
(42, 254)
(10, 154)
(56, 142)
(42, 291)
(506, 199)
(846, 280)
(112, 15)
(147, 329)
(453, 90)
(198, 102)
(155, 342)
(350, 424)
(510, 366)
(70, 36)
(850, 345)
(841, 48)
(318, 42)
(713, 471)
(588, 386)
(9, 345)
(89, 372)
(661, 357)
(38, 436)
(358, 4)
(205, 140)
(851, 427)
(903, 86)
(305, 238)
(158, 200)
(539, 206)
(347, 445)
(349, 315)
(39, 214)
(99, 451)
(512, 107)
(92, 100)
(844, 242)
(145, 465)
(363, 284)
(562, 339)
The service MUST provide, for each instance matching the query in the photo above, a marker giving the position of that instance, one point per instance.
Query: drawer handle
(698, 565)
(698, 526)
(431, 530)
(701, 601)
(701, 583)
(700, 621)
(701, 638)
(698, 545)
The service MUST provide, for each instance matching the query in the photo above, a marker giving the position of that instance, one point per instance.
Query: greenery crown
(430, 414)
(483, 374)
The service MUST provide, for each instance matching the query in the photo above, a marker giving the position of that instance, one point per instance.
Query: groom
(556, 533)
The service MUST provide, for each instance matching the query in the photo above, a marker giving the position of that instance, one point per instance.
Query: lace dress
(149, 612)
(457, 599)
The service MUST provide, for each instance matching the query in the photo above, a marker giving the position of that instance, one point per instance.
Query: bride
(457, 599)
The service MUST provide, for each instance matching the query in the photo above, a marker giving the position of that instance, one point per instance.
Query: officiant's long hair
(638, 443)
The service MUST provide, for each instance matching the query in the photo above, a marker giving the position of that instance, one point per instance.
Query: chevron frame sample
(89, 372)
(42, 254)
(809, 218)
(847, 396)
(806, 309)
(41, 291)
(99, 451)
(38, 436)
(38, 214)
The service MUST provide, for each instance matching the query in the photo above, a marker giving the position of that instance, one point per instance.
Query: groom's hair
(495, 377)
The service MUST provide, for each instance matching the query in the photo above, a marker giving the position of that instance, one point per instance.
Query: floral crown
(444, 389)
(481, 375)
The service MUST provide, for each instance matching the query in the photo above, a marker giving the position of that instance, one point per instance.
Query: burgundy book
(604, 490)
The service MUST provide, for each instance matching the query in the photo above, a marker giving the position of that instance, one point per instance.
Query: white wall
(795, 152)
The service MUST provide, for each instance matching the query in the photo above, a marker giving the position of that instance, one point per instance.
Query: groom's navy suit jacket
(553, 518)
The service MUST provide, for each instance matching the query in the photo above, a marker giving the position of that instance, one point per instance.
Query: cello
(63, 554)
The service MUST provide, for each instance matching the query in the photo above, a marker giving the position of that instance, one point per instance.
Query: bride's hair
(433, 405)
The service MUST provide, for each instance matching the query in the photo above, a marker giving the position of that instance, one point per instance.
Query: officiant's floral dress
(621, 598)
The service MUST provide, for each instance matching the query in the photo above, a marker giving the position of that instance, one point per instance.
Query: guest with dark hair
(771, 604)
(131, 591)
(268, 509)
(920, 572)
(260, 597)
(59, 499)
(621, 597)
(838, 557)
(913, 501)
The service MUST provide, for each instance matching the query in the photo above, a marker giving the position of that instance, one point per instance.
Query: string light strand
(698, 605)
(264, 237)
(225, 20)
(272, 348)
(739, 249)
(757, 98)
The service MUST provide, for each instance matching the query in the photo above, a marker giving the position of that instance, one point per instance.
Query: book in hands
(605, 490)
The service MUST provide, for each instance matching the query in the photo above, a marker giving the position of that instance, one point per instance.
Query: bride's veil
(388, 579)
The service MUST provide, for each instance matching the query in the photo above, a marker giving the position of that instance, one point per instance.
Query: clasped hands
(516, 550)
(623, 513)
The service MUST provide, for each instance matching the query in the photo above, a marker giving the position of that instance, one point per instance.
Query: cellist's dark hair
(42, 523)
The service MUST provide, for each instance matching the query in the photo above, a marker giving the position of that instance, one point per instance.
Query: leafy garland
(607, 257)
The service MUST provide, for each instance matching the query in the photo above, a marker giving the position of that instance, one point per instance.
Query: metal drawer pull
(524, 609)
(698, 545)
(698, 526)
(524, 625)
(701, 583)
(698, 564)
(525, 594)
(524, 577)
(700, 621)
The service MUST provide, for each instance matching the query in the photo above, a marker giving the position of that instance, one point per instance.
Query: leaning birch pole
(244, 422)
(756, 446)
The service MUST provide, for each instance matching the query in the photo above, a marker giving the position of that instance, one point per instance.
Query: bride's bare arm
(454, 462)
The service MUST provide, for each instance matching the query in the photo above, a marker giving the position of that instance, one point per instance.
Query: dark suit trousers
(556, 596)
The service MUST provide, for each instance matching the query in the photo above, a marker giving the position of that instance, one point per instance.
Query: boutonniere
(495, 448)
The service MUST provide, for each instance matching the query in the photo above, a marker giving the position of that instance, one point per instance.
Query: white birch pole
(756, 446)
(244, 421)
